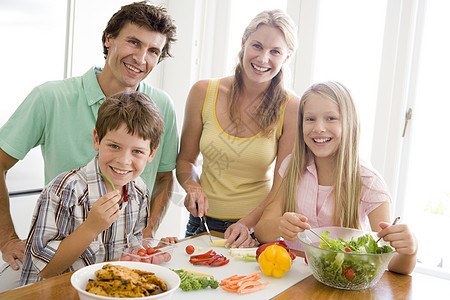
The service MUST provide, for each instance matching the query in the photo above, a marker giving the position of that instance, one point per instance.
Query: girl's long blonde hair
(269, 111)
(347, 171)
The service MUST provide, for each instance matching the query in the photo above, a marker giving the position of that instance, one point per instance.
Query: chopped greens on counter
(191, 282)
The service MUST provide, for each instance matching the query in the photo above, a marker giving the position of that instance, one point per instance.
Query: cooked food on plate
(118, 281)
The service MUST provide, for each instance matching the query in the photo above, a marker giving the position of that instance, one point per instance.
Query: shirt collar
(92, 89)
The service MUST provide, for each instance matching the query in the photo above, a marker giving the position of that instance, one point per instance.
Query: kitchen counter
(390, 286)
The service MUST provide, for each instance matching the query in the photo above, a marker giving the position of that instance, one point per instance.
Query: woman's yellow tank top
(236, 172)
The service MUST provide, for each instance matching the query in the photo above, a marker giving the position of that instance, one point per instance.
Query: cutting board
(180, 259)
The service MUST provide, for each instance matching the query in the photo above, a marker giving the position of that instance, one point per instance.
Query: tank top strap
(210, 98)
(280, 124)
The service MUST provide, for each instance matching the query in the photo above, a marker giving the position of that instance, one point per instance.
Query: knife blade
(206, 227)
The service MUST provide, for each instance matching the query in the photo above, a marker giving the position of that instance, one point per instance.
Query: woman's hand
(400, 237)
(291, 224)
(238, 236)
(104, 211)
(196, 201)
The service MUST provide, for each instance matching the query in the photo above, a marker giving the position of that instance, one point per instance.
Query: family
(110, 146)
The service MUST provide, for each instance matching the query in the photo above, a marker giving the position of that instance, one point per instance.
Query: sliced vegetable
(243, 284)
(107, 179)
(196, 273)
(245, 254)
(210, 258)
(218, 243)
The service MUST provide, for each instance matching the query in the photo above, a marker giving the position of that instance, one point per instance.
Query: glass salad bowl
(359, 263)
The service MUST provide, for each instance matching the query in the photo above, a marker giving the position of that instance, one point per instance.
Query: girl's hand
(291, 224)
(400, 237)
(196, 202)
(104, 212)
(238, 236)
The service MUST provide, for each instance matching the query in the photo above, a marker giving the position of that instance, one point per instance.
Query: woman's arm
(399, 236)
(196, 202)
(103, 213)
(285, 146)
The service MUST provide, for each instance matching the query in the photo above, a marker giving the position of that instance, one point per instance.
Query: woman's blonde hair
(347, 171)
(268, 112)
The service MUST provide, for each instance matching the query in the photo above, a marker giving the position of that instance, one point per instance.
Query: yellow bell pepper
(275, 261)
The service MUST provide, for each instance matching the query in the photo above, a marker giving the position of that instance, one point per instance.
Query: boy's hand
(104, 212)
(400, 237)
(291, 224)
(170, 239)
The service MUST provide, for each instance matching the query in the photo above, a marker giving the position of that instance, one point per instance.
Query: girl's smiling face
(122, 156)
(322, 127)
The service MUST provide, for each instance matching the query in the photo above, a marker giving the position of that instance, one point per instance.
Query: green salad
(349, 271)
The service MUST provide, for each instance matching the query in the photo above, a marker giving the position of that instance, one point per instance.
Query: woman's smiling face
(322, 127)
(265, 52)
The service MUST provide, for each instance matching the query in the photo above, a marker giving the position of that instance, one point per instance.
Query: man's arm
(11, 246)
(162, 190)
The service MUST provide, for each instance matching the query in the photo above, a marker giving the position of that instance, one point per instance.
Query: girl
(239, 124)
(324, 183)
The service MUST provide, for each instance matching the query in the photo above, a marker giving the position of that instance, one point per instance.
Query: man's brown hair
(134, 109)
(142, 14)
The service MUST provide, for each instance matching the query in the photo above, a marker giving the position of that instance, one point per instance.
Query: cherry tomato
(150, 250)
(349, 274)
(348, 250)
(142, 252)
(190, 249)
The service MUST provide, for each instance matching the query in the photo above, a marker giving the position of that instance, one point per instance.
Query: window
(34, 37)
(425, 189)
(348, 47)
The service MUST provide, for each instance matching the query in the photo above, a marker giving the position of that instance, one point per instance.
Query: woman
(239, 124)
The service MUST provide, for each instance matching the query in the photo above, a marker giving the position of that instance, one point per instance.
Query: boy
(80, 219)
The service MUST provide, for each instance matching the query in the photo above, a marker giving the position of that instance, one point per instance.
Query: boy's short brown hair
(142, 14)
(134, 109)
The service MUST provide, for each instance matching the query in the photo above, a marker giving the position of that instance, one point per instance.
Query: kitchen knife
(206, 227)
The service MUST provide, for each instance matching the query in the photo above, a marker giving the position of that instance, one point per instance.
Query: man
(60, 116)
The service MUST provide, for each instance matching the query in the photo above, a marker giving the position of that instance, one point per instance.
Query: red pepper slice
(208, 254)
(220, 262)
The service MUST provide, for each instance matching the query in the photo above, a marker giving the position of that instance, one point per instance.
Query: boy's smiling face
(122, 156)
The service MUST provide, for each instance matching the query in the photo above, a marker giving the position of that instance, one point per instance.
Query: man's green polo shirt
(60, 116)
